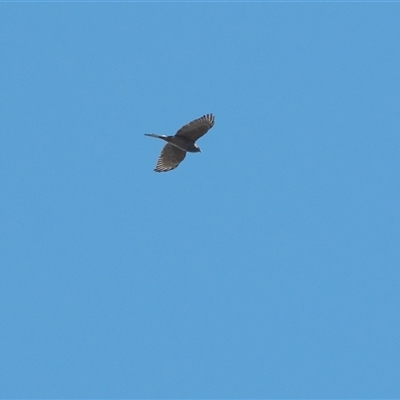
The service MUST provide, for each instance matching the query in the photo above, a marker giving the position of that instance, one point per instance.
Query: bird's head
(193, 148)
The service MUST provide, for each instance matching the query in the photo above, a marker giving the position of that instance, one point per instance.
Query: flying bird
(174, 152)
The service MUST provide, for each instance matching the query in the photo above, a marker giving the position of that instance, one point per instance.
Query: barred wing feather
(197, 128)
(170, 157)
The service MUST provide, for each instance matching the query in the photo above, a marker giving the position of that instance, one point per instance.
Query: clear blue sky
(266, 266)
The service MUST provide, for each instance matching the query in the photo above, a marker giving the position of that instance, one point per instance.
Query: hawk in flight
(174, 152)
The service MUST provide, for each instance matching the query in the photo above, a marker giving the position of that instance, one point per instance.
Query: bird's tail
(154, 135)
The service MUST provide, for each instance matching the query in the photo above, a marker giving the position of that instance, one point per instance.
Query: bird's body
(174, 152)
(180, 142)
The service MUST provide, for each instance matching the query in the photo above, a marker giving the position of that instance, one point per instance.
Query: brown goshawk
(174, 152)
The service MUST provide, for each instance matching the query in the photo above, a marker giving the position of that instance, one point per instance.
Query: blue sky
(265, 267)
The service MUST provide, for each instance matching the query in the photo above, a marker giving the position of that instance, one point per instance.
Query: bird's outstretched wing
(170, 157)
(197, 128)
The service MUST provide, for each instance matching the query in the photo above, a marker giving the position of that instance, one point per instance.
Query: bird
(184, 140)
